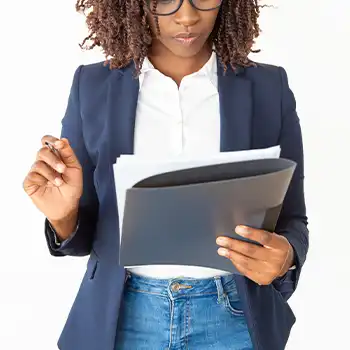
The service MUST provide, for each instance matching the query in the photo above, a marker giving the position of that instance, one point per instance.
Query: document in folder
(171, 211)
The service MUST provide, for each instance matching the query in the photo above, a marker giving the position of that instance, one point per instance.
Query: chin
(185, 53)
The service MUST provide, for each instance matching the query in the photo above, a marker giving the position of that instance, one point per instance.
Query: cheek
(163, 25)
(210, 18)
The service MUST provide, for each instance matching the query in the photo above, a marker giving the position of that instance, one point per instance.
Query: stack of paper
(130, 169)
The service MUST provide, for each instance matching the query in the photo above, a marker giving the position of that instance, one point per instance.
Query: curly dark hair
(122, 30)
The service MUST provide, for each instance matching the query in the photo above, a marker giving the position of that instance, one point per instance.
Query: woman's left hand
(260, 264)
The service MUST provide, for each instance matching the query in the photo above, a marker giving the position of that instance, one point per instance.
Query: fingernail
(58, 181)
(60, 168)
(220, 240)
(222, 251)
(241, 230)
(58, 144)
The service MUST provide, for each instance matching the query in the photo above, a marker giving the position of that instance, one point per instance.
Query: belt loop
(220, 289)
(127, 276)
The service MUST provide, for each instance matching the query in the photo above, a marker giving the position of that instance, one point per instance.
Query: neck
(174, 66)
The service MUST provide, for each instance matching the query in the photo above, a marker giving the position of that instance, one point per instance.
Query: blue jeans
(181, 314)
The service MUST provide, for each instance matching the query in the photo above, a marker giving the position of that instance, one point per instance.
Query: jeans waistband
(180, 286)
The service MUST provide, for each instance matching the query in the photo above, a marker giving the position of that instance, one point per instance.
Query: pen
(53, 149)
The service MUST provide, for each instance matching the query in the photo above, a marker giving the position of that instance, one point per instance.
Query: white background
(39, 53)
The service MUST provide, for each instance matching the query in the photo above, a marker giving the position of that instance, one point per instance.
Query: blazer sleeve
(293, 221)
(80, 241)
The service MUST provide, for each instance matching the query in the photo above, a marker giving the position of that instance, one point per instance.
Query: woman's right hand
(55, 183)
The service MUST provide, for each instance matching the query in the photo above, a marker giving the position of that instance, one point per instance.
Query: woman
(177, 81)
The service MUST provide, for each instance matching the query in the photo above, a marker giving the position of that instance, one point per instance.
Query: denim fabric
(181, 314)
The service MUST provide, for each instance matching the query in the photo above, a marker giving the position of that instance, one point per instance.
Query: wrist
(289, 263)
(66, 226)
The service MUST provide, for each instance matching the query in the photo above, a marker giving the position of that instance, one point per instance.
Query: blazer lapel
(235, 94)
(122, 101)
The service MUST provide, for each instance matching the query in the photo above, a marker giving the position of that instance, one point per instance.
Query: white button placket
(182, 121)
(178, 124)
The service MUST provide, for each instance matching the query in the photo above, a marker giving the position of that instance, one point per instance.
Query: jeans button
(175, 287)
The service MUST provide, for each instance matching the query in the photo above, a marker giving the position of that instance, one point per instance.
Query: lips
(185, 35)
(186, 38)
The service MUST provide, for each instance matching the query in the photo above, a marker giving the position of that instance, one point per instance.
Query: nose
(187, 15)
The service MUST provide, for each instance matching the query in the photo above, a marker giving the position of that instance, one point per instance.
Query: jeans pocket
(233, 303)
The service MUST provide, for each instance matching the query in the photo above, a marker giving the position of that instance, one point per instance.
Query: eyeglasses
(169, 7)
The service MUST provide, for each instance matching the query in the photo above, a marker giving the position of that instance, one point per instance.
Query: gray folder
(174, 218)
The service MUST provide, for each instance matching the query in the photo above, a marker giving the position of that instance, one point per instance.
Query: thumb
(66, 152)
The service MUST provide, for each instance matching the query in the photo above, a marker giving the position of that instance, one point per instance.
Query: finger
(247, 273)
(47, 172)
(261, 272)
(254, 276)
(34, 178)
(47, 156)
(260, 278)
(245, 248)
(33, 182)
(66, 152)
(242, 260)
(48, 138)
(267, 239)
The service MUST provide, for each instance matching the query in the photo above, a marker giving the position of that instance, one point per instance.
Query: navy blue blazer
(257, 110)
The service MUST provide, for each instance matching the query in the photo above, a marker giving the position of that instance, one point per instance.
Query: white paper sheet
(130, 169)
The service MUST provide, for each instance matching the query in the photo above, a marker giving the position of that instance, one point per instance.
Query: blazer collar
(209, 70)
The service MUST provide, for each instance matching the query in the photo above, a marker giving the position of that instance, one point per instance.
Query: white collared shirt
(171, 121)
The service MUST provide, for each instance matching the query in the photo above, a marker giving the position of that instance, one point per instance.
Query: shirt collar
(209, 69)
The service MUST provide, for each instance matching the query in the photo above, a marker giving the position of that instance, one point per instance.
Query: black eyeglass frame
(178, 8)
